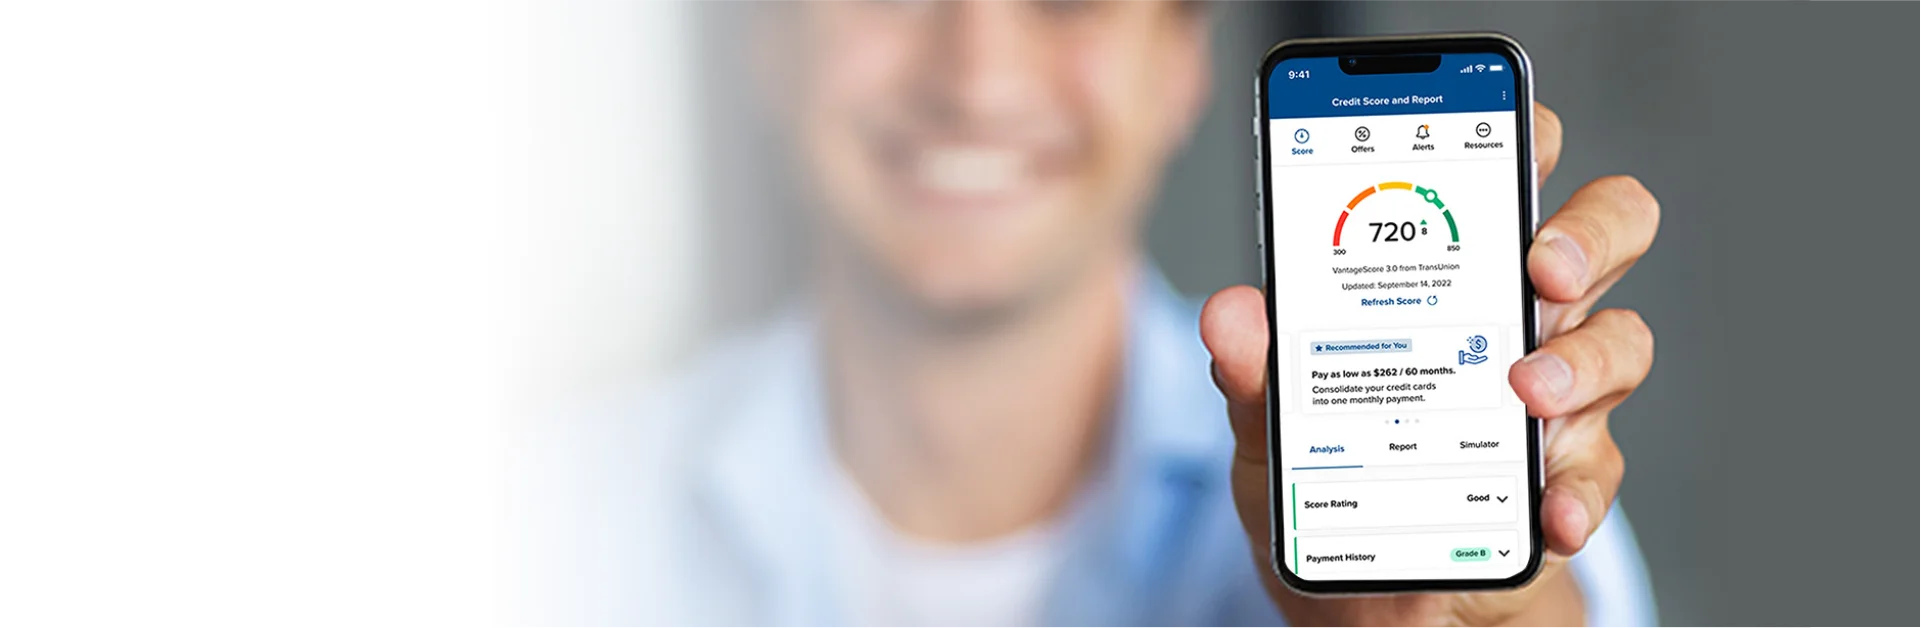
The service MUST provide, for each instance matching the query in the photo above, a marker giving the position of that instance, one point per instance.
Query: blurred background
(280, 281)
(1771, 469)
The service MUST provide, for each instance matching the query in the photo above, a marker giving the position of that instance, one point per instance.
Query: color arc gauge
(1407, 231)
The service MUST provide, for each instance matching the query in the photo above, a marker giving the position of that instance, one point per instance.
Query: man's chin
(941, 286)
(980, 299)
(977, 299)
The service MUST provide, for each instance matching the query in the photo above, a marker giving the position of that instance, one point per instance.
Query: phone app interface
(1396, 226)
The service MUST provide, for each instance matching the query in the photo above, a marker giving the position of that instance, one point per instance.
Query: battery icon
(1493, 68)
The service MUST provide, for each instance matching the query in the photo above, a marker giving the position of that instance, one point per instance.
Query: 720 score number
(1396, 232)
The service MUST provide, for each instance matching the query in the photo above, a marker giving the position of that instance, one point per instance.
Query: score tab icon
(1300, 136)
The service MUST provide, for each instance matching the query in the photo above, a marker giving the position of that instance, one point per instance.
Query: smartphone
(1396, 200)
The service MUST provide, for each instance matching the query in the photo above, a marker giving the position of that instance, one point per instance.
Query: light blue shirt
(699, 502)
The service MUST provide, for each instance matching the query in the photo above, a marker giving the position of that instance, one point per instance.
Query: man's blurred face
(975, 155)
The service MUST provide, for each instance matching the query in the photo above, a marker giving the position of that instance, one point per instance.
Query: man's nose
(989, 64)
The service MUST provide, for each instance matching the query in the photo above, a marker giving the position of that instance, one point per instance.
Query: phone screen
(1399, 212)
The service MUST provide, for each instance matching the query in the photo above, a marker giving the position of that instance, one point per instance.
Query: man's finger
(1607, 356)
(1584, 469)
(1547, 141)
(1602, 229)
(1234, 327)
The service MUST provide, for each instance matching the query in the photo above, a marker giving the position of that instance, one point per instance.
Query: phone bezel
(1528, 188)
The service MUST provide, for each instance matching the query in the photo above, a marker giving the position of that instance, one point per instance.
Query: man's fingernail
(1551, 370)
(1571, 254)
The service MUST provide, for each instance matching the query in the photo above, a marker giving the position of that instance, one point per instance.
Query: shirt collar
(771, 455)
(1168, 455)
(1166, 372)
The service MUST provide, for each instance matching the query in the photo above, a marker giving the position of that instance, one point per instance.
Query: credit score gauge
(1386, 230)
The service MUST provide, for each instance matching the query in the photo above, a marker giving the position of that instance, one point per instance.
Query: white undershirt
(889, 579)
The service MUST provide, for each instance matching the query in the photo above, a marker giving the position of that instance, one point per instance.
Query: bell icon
(1421, 132)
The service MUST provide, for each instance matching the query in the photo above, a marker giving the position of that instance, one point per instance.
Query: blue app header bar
(1317, 88)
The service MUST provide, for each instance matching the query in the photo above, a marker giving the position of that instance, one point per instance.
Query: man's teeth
(969, 170)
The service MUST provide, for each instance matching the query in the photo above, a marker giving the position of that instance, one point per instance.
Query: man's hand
(1585, 366)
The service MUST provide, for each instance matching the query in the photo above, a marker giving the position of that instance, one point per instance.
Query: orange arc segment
(1357, 198)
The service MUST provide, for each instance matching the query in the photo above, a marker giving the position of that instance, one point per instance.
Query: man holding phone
(992, 410)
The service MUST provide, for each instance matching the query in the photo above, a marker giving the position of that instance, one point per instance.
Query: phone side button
(1260, 230)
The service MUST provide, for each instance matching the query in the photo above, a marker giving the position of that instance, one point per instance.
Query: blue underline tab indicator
(1351, 347)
